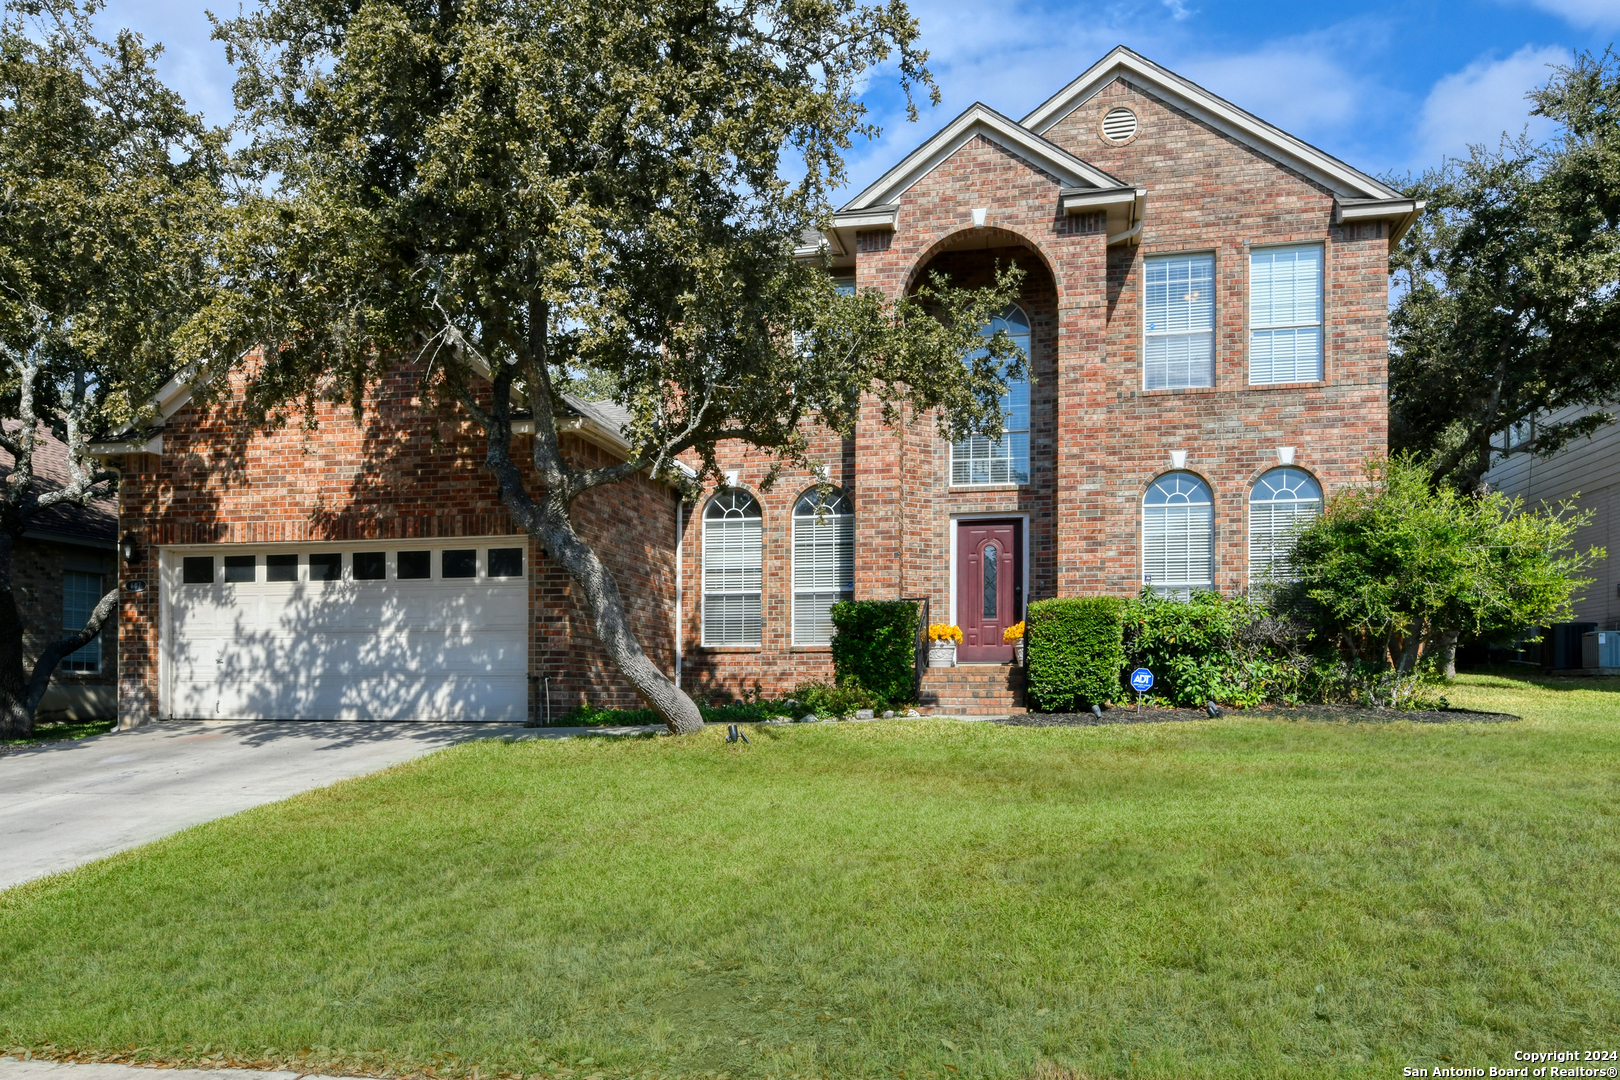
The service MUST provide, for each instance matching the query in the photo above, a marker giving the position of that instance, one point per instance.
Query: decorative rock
(913, 712)
(864, 714)
(809, 718)
(888, 714)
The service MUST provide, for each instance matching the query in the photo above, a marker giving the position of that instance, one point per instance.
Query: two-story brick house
(1204, 312)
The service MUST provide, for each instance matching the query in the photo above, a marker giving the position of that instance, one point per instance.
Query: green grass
(923, 899)
(56, 730)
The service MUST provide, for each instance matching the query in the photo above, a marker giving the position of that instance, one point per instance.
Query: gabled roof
(978, 119)
(1341, 179)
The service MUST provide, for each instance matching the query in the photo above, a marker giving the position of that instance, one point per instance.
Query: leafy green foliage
(828, 699)
(1396, 563)
(874, 646)
(1508, 302)
(1074, 648)
(1226, 649)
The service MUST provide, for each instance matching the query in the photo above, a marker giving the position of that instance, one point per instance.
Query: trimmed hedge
(1075, 649)
(875, 646)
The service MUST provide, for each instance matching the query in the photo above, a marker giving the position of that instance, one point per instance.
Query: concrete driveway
(65, 804)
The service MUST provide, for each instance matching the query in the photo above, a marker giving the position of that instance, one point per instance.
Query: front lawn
(61, 730)
(916, 899)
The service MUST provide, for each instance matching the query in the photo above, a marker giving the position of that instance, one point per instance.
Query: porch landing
(973, 690)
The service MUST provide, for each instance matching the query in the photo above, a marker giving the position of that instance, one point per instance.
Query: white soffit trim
(1273, 142)
(979, 119)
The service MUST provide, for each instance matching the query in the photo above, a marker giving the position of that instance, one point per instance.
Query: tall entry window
(981, 460)
(1178, 535)
(823, 562)
(81, 593)
(1178, 316)
(1285, 315)
(1282, 501)
(733, 557)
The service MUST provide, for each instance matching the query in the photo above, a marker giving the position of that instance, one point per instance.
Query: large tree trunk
(600, 592)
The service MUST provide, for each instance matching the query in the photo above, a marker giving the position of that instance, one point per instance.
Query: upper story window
(1178, 535)
(1178, 309)
(1285, 315)
(1282, 501)
(733, 558)
(823, 562)
(81, 593)
(1005, 460)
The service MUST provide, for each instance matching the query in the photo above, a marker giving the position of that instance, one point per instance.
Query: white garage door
(347, 632)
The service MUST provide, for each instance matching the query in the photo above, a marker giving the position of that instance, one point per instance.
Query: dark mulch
(1127, 714)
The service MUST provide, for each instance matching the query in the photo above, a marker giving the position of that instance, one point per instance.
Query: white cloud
(1296, 85)
(1584, 12)
(1481, 102)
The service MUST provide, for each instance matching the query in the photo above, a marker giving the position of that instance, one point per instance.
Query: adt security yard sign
(1141, 682)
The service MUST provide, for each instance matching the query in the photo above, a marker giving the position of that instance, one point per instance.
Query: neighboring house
(63, 565)
(1589, 468)
(1205, 314)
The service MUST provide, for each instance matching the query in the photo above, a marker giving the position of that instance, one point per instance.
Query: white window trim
(1214, 319)
(1321, 312)
(1142, 507)
(1005, 431)
(1319, 501)
(703, 622)
(793, 572)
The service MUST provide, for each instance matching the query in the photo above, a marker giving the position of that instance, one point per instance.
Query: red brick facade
(400, 473)
(1098, 439)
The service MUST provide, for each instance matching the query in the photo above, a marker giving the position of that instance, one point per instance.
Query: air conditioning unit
(1600, 649)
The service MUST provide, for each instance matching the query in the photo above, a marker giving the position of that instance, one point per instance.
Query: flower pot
(1018, 652)
(942, 654)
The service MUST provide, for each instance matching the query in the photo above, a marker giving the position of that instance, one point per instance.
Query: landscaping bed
(1127, 714)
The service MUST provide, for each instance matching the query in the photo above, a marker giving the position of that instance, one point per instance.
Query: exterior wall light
(130, 549)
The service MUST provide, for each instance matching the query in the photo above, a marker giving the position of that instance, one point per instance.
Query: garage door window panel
(459, 563)
(415, 565)
(506, 562)
(326, 566)
(197, 570)
(241, 568)
(370, 565)
(282, 567)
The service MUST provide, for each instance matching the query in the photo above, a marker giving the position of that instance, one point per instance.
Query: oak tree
(504, 196)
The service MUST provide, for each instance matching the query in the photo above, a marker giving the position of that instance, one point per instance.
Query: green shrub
(1075, 650)
(825, 699)
(874, 646)
(1210, 647)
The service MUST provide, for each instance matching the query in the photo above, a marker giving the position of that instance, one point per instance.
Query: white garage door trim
(354, 648)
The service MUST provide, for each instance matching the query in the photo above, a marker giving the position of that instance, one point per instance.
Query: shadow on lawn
(1547, 681)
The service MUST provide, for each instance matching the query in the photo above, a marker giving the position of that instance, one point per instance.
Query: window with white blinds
(978, 459)
(1282, 501)
(823, 562)
(1178, 315)
(1285, 315)
(1178, 536)
(81, 593)
(733, 558)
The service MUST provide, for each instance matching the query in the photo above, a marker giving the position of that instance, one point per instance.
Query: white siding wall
(1591, 467)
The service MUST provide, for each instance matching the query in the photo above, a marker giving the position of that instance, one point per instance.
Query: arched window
(823, 562)
(1282, 501)
(733, 554)
(1178, 535)
(980, 460)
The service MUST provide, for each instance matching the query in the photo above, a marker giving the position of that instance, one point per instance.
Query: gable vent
(1119, 125)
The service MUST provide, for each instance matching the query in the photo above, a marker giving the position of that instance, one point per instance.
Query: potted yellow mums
(1014, 636)
(943, 638)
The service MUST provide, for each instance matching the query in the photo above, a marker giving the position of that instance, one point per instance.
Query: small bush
(1210, 647)
(825, 699)
(1075, 651)
(874, 646)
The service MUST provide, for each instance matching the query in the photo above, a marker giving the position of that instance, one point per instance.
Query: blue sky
(1390, 88)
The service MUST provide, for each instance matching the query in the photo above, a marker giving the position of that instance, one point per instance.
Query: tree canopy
(1399, 563)
(1509, 308)
(505, 194)
(109, 199)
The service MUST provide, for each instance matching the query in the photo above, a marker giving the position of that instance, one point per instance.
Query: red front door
(989, 588)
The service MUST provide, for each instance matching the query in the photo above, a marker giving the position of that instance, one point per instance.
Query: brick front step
(973, 690)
